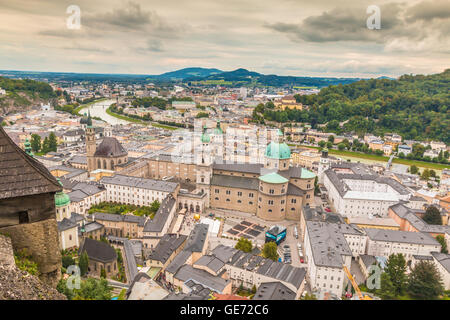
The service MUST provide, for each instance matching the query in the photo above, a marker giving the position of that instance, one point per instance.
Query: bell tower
(91, 145)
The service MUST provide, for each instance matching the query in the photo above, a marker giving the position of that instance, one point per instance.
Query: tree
(83, 263)
(413, 169)
(387, 288)
(425, 174)
(244, 245)
(67, 261)
(93, 289)
(322, 143)
(103, 273)
(396, 271)
(202, 115)
(425, 282)
(440, 238)
(329, 144)
(254, 289)
(35, 142)
(341, 146)
(331, 138)
(154, 206)
(52, 143)
(46, 145)
(309, 297)
(269, 251)
(432, 216)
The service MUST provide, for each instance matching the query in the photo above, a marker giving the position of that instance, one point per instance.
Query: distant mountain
(243, 77)
(188, 73)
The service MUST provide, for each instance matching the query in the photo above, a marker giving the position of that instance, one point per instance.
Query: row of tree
(49, 144)
(423, 282)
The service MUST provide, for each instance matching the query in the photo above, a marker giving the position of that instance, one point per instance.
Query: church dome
(61, 199)
(205, 136)
(217, 129)
(278, 151)
(110, 148)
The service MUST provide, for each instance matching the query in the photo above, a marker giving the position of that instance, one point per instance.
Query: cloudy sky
(285, 37)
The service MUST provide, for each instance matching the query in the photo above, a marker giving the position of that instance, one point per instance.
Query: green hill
(416, 107)
(21, 94)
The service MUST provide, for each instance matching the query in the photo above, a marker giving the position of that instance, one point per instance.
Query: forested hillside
(23, 93)
(417, 107)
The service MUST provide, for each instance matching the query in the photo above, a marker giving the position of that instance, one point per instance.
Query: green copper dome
(205, 136)
(273, 178)
(278, 151)
(217, 129)
(27, 147)
(61, 199)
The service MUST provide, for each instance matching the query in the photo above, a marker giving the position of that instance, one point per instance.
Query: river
(98, 109)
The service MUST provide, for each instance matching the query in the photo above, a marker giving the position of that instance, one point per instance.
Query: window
(216, 191)
(250, 195)
(23, 217)
(239, 194)
(270, 202)
(271, 191)
(228, 192)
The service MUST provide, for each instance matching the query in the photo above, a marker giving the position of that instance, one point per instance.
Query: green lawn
(122, 117)
(164, 126)
(374, 157)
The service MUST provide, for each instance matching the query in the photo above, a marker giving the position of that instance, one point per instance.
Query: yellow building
(288, 102)
(374, 223)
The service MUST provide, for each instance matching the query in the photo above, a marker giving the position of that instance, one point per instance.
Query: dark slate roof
(166, 246)
(235, 182)
(328, 244)
(224, 253)
(239, 167)
(20, 174)
(110, 147)
(92, 226)
(401, 236)
(274, 291)
(211, 262)
(317, 214)
(368, 260)
(178, 261)
(197, 238)
(98, 250)
(139, 182)
(294, 190)
(443, 259)
(156, 224)
(66, 224)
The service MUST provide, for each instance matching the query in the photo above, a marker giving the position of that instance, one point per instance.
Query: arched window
(99, 164)
(104, 164)
(112, 165)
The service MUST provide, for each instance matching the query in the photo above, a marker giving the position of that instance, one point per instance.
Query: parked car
(302, 260)
(327, 209)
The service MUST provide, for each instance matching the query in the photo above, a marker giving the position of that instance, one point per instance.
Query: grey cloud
(129, 17)
(153, 45)
(342, 24)
(429, 10)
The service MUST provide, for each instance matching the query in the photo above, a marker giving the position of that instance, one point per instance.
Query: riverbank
(126, 118)
(87, 105)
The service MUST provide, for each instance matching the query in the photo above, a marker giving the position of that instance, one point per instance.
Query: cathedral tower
(90, 145)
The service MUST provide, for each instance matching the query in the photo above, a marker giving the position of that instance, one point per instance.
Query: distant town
(211, 191)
